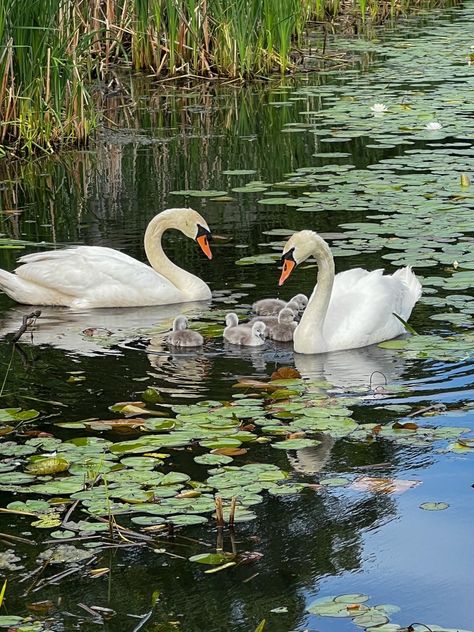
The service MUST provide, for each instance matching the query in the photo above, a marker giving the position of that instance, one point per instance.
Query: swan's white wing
(92, 276)
(362, 306)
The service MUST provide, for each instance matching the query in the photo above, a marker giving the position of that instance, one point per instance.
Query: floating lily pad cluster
(132, 478)
(369, 618)
(418, 200)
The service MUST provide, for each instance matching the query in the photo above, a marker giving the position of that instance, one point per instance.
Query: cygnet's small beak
(202, 238)
(288, 267)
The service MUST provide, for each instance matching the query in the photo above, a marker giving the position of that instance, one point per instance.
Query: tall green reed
(52, 52)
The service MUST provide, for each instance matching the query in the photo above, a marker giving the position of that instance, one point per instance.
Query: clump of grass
(52, 50)
(43, 69)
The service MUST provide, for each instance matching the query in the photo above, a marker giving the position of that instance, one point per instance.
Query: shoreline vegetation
(59, 58)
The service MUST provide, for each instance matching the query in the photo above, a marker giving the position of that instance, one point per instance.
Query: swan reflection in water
(184, 371)
(94, 331)
(366, 370)
(190, 373)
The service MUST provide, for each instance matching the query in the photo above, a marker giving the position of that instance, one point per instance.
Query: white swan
(352, 309)
(183, 337)
(272, 306)
(95, 276)
(245, 335)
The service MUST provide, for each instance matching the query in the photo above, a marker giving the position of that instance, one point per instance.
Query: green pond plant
(55, 53)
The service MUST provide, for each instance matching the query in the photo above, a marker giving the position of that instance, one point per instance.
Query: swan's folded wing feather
(84, 269)
(365, 311)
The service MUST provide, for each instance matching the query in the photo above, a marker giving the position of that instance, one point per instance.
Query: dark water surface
(313, 544)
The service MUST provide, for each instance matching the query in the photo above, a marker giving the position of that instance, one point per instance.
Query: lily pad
(434, 506)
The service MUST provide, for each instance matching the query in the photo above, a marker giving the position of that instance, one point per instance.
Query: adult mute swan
(351, 309)
(95, 276)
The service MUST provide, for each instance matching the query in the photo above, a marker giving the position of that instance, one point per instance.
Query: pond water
(386, 189)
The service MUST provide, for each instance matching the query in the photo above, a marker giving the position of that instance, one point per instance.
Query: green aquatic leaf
(434, 506)
(44, 466)
(295, 444)
(213, 459)
(213, 559)
(17, 414)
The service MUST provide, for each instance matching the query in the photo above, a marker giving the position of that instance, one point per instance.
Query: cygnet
(284, 328)
(183, 337)
(272, 306)
(245, 335)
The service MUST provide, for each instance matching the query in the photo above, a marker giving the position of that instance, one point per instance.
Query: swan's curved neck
(193, 287)
(309, 335)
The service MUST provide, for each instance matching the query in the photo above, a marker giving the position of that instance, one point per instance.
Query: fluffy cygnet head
(231, 320)
(301, 300)
(258, 329)
(286, 315)
(180, 323)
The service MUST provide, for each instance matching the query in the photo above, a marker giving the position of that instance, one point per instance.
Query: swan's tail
(413, 290)
(22, 291)
(10, 284)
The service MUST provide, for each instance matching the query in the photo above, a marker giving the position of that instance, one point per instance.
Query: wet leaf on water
(151, 396)
(371, 618)
(41, 466)
(230, 451)
(10, 621)
(351, 598)
(48, 521)
(132, 409)
(75, 379)
(146, 521)
(285, 373)
(63, 534)
(213, 559)
(17, 414)
(186, 520)
(213, 459)
(30, 506)
(434, 506)
(295, 444)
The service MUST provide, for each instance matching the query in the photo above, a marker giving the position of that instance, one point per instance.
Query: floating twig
(65, 522)
(420, 412)
(248, 579)
(16, 538)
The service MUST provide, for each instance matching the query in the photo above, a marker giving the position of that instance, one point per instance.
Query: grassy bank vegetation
(53, 51)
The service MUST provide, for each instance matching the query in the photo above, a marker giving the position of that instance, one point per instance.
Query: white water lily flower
(433, 126)
(378, 108)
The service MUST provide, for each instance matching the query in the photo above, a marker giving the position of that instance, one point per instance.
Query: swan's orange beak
(203, 236)
(288, 267)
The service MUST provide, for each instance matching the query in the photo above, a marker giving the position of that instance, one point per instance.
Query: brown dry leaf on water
(42, 607)
(285, 373)
(382, 485)
(229, 451)
(409, 425)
